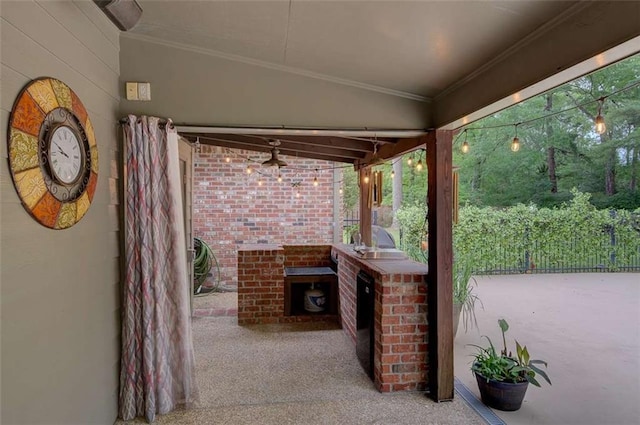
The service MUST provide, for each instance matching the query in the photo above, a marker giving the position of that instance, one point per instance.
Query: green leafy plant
(463, 284)
(505, 367)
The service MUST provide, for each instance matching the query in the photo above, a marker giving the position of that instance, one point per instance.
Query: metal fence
(497, 255)
(569, 256)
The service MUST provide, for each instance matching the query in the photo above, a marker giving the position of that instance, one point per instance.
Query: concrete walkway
(586, 326)
(295, 374)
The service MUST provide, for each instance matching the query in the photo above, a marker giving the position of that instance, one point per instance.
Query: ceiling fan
(274, 160)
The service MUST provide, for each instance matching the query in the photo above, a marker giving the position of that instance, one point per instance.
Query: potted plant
(502, 378)
(464, 300)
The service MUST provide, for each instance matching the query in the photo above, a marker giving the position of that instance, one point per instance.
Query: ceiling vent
(274, 160)
(124, 13)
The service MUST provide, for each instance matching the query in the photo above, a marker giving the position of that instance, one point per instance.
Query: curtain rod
(294, 131)
(161, 121)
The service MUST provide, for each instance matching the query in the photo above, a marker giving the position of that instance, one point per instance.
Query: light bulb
(366, 179)
(419, 165)
(393, 174)
(600, 125)
(249, 170)
(315, 181)
(279, 178)
(409, 161)
(260, 182)
(465, 147)
(340, 191)
(227, 159)
(515, 144)
(297, 194)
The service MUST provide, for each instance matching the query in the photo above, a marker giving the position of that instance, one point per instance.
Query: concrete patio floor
(295, 374)
(586, 326)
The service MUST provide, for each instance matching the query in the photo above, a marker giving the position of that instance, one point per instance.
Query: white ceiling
(448, 62)
(414, 49)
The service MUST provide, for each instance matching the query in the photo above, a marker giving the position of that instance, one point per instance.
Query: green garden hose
(202, 264)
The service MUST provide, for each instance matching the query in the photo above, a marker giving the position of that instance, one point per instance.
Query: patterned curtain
(157, 367)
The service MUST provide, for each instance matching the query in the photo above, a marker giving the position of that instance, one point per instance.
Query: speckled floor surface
(295, 374)
(585, 325)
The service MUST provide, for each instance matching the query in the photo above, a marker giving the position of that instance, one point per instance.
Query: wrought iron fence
(616, 251)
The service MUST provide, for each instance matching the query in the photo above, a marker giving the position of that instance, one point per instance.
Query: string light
(227, 159)
(601, 127)
(598, 121)
(419, 165)
(260, 181)
(279, 178)
(393, 174)
(515, 143)
(366, 179)
(315, 181)
(465, 145)
(297, 194)
(410, 161)
(340, 191)
(249, 170)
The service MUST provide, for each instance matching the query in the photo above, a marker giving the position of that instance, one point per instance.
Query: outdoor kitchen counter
(400, 316)
(383, 267)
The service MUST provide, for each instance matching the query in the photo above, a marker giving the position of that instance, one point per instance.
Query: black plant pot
(501, 395)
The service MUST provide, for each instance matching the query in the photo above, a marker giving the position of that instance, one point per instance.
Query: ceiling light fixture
(601, 127)
(274, 161)
(515, 143)
(465, 144)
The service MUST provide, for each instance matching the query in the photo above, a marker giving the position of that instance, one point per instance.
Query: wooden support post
(440, 277)
(365, 205)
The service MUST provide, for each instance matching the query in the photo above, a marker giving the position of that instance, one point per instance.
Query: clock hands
(60, 149)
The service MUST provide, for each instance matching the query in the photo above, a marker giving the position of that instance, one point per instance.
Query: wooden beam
(440, 276)
(349, 143)
(392, 150)
(212, 140)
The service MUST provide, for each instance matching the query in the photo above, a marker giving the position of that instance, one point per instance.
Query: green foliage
(413, 224)
(504, 367)
(350, 189)
(463, 283)
(567, 237)
(491, 175)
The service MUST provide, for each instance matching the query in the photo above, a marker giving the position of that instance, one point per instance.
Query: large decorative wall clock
(53, 155)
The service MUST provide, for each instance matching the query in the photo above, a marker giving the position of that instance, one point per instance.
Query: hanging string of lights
(599, 121)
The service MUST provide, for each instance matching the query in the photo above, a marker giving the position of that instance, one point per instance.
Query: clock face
(66, 154)
(53, 154)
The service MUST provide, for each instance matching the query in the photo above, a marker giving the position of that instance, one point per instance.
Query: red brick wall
(401, 333)
(231, 209)
(400, 330)
(260, 284)
(307, 255)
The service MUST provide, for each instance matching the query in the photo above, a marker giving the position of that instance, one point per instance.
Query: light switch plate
(132, 91)
(144, 91)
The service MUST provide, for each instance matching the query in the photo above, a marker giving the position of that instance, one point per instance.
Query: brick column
(260, 284)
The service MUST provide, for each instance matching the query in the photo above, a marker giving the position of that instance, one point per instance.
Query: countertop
(405, 266)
